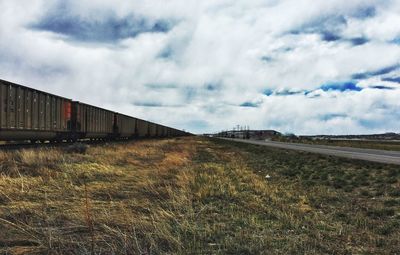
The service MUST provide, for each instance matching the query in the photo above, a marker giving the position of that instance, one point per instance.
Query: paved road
(381, 156)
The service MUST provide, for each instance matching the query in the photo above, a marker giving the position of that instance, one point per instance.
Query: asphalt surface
(381, 156)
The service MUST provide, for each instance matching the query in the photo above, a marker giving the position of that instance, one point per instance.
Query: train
(27, 114)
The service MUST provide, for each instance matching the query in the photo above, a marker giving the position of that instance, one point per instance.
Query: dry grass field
(195, 196)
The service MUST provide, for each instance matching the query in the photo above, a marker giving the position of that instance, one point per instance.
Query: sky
(296, 66)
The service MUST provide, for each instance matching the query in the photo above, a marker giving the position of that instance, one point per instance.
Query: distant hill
(385, 136)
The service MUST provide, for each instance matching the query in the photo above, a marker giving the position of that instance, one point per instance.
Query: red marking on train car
(67, 110)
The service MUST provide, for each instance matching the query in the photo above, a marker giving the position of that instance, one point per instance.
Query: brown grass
(193, 196)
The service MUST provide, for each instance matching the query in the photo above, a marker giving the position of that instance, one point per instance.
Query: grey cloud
(107, 27)
(381, 71)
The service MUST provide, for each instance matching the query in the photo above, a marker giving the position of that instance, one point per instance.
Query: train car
(29, 114)
(93, 122)
(162, 131)
(142, 128)
(169, 132)
(158, 130)
(152, 129)
(126, 126)
(165, 131)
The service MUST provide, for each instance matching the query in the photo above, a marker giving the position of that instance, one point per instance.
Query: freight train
(28, 114)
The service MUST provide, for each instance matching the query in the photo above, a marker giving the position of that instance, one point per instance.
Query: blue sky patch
(396, 40)
(341, 86)
(268, 92)
(370, 124)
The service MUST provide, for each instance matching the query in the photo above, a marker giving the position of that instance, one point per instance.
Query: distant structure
(246, 133)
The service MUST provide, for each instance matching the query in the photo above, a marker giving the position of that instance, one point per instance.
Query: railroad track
(28, 145)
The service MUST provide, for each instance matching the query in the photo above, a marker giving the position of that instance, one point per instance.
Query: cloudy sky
(302, 66)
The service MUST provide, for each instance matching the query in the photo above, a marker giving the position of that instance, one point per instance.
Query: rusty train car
(30, 114)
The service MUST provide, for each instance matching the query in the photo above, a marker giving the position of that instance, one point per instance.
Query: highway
(380, 156)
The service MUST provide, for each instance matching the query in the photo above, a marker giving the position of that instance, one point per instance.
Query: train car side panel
(152, 129)
(28, 114)
(35, 110)
(3, 106)
(126, 126)
(92, 122)
(11, 112)
(28, 109)
(142, 128)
